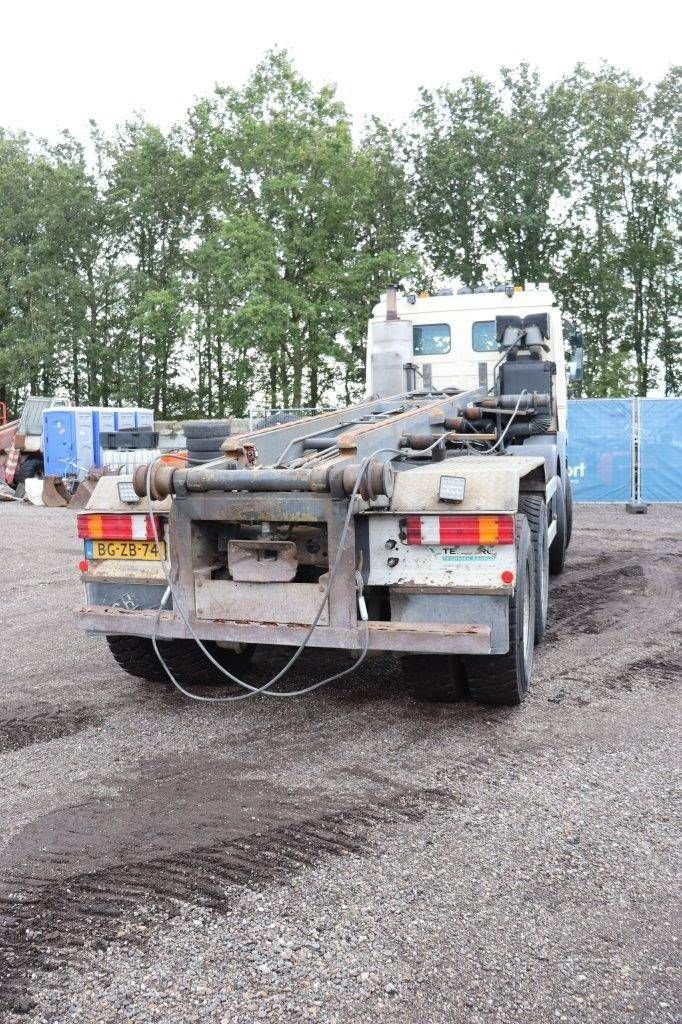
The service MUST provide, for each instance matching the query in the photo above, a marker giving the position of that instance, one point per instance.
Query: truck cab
(455, 336)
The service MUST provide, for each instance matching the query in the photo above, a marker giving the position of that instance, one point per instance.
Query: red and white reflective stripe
(141, 528)
(110, 526)
(459, 530)
(429, 530)
(11, 464)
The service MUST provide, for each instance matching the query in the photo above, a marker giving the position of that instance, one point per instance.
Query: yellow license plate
(145, 550)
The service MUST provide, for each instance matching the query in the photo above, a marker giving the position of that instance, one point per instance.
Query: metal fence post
(636, 505)
(636, 448)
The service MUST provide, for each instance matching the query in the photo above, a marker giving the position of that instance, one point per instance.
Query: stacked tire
(204, 440)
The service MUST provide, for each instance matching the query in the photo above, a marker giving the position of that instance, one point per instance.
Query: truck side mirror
(575, 367)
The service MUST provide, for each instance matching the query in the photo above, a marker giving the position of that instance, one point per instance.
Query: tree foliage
(575, 183)
(238, 255)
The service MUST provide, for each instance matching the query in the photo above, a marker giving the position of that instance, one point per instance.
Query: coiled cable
(265, 688)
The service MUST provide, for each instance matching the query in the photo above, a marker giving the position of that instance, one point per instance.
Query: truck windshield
(431, 340)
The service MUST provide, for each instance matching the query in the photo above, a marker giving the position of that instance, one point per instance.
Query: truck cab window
(431, 340)
(483, 336)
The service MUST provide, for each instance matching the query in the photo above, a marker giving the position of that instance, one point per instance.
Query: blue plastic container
(126, 419)
(68, 442)
(103, 422)
(144, 418)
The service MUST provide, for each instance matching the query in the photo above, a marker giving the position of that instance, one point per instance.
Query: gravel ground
(351, 855)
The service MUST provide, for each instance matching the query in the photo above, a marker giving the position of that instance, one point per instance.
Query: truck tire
(29, 468)
(205, 444)
(569, 509)
(557, 550)
(505, 678)
(207, 428)
(276, 420)
(191, 668)
(199, 458)
(436, 678)
(534, 508)
(137, 657)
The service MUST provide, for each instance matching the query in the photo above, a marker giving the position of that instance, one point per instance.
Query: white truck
(424, 520)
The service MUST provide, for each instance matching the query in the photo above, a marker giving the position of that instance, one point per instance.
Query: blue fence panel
(600, 448)
(660, 449)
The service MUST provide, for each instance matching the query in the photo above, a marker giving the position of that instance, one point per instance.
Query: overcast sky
(65, 61)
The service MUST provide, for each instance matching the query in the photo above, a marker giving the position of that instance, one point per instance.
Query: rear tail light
(117, 527)
(454, 531)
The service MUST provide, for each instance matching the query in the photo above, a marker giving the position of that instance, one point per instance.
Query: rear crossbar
(383, 636)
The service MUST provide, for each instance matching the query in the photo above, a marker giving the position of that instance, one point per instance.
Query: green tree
(276, 159)
(490, 165)
(619, 272)
(145, 191)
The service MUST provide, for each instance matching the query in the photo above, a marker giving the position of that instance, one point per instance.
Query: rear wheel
(191, 667)
(569, 509)
(535, 510)
(434, 677)
(137, 657)
(557, 551)
(505, 678)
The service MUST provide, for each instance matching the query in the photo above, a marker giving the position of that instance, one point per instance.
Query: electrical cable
(265, 688)
(253, 690)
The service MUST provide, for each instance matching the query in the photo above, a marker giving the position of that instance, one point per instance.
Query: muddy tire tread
(492, 679)
(136, 656)
(434, 678)
(192, 668)
(532, 505)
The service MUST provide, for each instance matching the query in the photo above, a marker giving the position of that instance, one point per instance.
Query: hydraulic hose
(506, 429)
(264, 689)
(539, 425)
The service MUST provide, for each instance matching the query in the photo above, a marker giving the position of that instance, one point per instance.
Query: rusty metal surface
(262, 561)
(54, 493)
(383, 636)
(123, 570)
(83, 493)
(271, 441)
(255, 508)
(7, 433)
(269, 603)
(368, 438)
(203, 479)
(368, 427)
(492, 484)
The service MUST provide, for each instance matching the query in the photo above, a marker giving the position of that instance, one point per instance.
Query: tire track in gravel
(597, 591)
(59, 891)
(43, 920)
(593, 596)
(40, 723)
(580, 602)
(74, 876)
